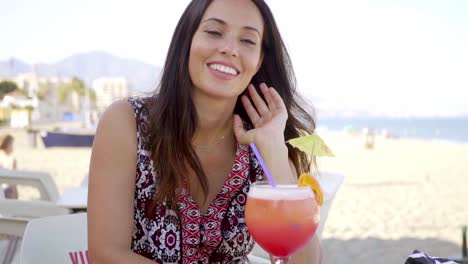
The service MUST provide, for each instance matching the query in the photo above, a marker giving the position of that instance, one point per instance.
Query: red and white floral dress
(218, 236)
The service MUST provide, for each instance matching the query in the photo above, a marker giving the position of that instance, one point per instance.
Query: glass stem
(280, 260)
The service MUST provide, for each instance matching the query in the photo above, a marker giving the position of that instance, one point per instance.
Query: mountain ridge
(88, 66)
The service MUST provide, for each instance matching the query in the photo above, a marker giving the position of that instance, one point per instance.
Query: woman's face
(226, 49)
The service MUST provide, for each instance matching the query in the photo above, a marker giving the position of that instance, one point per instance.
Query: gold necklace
(208, 147)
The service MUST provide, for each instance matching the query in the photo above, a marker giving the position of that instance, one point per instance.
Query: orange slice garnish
(307, 180)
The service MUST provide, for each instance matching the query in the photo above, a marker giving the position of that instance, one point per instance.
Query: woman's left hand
(268, 116)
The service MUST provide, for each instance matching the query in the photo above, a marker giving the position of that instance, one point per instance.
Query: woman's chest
(219, 236)
(218, 170)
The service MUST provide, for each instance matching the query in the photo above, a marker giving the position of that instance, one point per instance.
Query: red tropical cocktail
(281, 219)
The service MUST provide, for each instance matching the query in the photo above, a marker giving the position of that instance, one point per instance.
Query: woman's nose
(230, 47)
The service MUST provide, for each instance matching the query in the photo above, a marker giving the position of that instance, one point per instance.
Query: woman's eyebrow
(222, 22)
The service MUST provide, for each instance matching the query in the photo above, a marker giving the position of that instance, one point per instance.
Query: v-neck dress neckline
(202, 232)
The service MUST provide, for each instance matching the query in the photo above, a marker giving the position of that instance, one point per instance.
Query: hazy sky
(392, 57)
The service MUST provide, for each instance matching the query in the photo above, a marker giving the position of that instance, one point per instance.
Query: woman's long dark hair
(173, 116)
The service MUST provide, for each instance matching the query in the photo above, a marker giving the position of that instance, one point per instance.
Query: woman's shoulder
(129, 113)
(119, 108)
(119, 114)
(116, 128)
(129, 105)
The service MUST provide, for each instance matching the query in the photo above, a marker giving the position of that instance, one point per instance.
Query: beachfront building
(29, 82)
(44, 92)
(17, 109)
(108, 90)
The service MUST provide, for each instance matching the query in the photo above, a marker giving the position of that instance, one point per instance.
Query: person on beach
(8, 161)
(169, 173)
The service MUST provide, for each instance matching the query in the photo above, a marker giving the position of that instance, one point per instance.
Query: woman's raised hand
(268, 117)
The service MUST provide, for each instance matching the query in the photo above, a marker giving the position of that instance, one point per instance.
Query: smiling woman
(174, 179)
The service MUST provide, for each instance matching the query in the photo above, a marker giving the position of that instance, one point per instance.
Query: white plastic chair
(11, 231)
(75, 198)
(14, 214)
(56, 240)
(42, 181)
(84, 182)
(330, 183)
(30, 209)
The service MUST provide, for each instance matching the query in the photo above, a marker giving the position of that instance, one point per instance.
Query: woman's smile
(223, 70)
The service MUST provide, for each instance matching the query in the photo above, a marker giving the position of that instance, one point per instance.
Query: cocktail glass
(281, 219)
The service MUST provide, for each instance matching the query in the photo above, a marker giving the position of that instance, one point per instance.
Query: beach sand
(399, 196)
(402, 195)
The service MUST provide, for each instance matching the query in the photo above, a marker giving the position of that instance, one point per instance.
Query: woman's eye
(213, 32)
(248, 41)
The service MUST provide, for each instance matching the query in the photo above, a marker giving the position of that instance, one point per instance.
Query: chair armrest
(30, 209)
(40, 180)
(13, 225)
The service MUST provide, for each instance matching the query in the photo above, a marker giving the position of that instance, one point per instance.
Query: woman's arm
(112, 186)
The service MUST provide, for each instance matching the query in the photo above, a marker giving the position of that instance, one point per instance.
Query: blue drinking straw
(262, 163)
